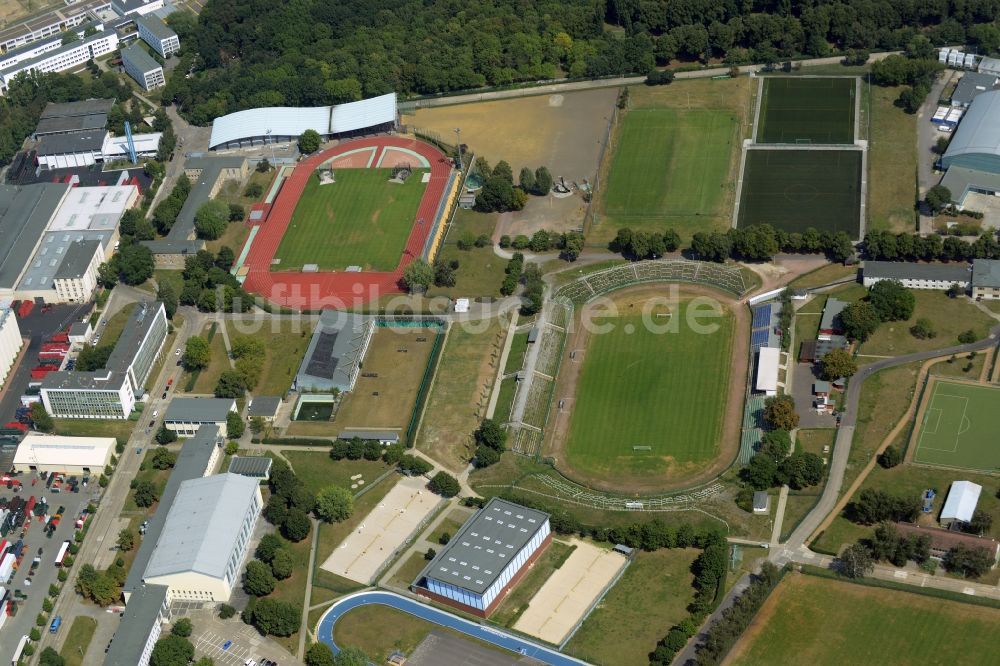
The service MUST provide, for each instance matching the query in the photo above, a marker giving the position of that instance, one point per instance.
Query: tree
(232, 448)
(226, 611)
(126, 539)
(856, 561)
(923, 329)
(413, 466)
(444, 484)
(50, 657)
(165, 293)
(543, 181)
(837, 363)
(334, 504)
(980, 524)
(172, 651)
(136, 264)
(205, 661)
(40, 418)
(485, 456)
(197, 353)
(418, 275)
(236, 212)
(258, 580)
(268, 547)
(253, 191)
(967, 337)
(444, 273)
(430, 554)
(761, 472)
(526, 180)
(276, 618)
(296, 525)
(859, 320)
(282, 565)
(658, 77)
(802, 469)
(779, 412)
(257, 424)
(309, 141)
(938, 198)
(165, 435)
(489, 433)
(231, 384)
(144, 494)
(351, 656)
(263, 166)
(182, 627)
(875, 505)
(891, 457)
(107, 274)
(970, 562)
(891, 300)
(211, 219)
(235, 426)
(319, 654)
(775, 444)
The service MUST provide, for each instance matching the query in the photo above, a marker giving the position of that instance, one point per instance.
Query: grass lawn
(948, 316)
(819, 621)
(480, 273)
(386, 399)
(219, 362)
(958, 427)
(892, 163)
(460, 393)
(449, 525)
(505, 401)
(823, 275)
(810, 110)
(778, 185)
(807, 321)
(800, 502)
(518, 348)
(516, 602)
(369, 217)
(407, 573)
(638, 387)
(293, 588)
(115, 325)
(158, 477)
(171, 277)
(233, 237)
(76, 643)
(315, 470)
(470, 224)
(651, 597)
(285, 342)
(119, 429)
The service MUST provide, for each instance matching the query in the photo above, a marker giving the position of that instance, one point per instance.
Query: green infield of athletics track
(360, 220)
(669, 163)
(666, 391)
(960, 427)
(794, 190)
(825, 622)
(807, 110)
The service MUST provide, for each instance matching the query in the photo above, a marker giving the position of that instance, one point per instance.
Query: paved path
(304, 628)
(779, 516)
(495, 395)
(441, 618)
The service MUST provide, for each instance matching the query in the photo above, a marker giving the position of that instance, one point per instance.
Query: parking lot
(35, 585)
(211, 634)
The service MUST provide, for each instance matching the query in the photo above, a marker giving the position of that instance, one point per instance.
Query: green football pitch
(661, 390)
(797, 189)
(360, 220)
(807, 110)
(669, 163)
(959, 427)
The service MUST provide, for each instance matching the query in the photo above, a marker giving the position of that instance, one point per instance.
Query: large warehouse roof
(285, 121)
(485, 545)
(962, 500)
(24, 214)
(204, 522)
(978, 134)
(37, 449)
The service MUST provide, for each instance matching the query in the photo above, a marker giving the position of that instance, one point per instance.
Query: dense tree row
(209, 286)
(317, 53)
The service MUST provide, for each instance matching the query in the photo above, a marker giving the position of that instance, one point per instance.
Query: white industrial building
(37, 28)
(67, 455)
(963, 496)
(10, 343)
(486, 557)
(140, 66)
(158, 35)
(915, 275)
(186, 415)
(768, 362)
(200, 552)
(76, 278)
(111, 392)
(61, 57)
(268, 124)
(136, 7)
(79, 149)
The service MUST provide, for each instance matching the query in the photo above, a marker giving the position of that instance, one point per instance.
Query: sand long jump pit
(568, 594)
(386, 527)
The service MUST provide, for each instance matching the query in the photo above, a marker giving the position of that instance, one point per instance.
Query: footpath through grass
(369, 217)
(818, 621)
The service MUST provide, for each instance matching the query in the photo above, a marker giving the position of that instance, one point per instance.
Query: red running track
(338, 290)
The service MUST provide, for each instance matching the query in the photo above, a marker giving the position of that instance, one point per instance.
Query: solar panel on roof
(321, 363)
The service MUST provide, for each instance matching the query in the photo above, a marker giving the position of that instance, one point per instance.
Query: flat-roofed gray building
(63, 117)
(255, 467)
(25, 212)
(186, 415)
(917, 275)
(160, 37)
(264, 406)
(486, 557)
(986, 279)
(140, 66)
(333, 358)
(142, 622)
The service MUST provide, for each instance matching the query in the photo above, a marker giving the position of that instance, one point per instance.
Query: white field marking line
(936, 411)
(957, 434)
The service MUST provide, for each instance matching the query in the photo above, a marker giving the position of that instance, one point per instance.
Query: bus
(19, 651)
(61, 555)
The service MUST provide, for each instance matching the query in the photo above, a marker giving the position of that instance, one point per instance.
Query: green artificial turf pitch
(960, 426)
(806, 110)
(797, 189)
(360, 220)
(670, 163)
(666, 391)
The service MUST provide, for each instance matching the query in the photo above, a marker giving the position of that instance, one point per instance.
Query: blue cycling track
(441, 618)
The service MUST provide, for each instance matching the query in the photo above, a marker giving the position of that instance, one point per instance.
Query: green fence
(425, 383)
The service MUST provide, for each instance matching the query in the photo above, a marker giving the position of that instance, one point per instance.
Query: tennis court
(958, 426)
(807, 110)
(794, 190)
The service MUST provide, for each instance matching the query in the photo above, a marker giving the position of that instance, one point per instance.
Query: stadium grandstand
(253, 127)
